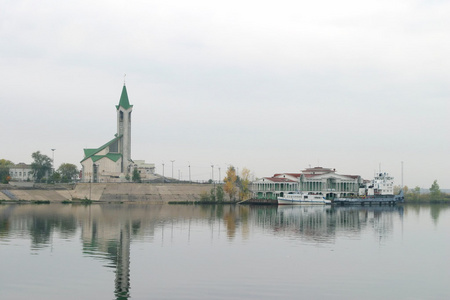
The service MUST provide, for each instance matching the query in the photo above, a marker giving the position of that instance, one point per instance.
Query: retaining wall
(115, 192)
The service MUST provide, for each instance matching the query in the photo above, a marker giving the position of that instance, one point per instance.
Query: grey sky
(274, 86)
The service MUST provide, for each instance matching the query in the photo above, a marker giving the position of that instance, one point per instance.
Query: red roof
(290, 174)
(273, 179)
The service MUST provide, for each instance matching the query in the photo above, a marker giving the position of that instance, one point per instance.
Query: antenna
(124, 75)
(402, 174)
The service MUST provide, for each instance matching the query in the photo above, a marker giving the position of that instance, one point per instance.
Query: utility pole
(163, 173)
(172, 167)
(212, 172)
(53, 160)
(402, 174)
(190, 181)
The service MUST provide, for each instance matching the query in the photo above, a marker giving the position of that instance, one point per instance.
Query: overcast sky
(274, 86)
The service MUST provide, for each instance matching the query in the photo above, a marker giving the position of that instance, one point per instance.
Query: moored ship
(379, 191)
(302, 198)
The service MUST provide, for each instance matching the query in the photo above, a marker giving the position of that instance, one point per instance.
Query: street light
(172, 167)
(190, 173)
(53, 160)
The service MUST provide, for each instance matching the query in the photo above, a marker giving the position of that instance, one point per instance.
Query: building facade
(311, 180)
(112, 161)
(146, 170)
(21, 172)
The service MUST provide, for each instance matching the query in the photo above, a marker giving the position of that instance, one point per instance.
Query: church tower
(124, 110)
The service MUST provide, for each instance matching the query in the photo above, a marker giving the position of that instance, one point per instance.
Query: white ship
(302, 198)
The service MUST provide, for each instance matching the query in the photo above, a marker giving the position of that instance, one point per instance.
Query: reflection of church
(114, 240)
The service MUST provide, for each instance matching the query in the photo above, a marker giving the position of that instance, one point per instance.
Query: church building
(112, 161)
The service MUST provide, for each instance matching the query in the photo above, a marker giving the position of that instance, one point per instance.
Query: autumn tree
(68, 172)
(244, 189)
(41, 165)
(4, 170)
(230, 182)
(435, 192)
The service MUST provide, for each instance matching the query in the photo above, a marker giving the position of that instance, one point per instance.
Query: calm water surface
(224, 252)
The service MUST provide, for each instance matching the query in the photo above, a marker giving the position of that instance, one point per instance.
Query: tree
(68, 172)
(212, 195)
(245, 192)
(219, 193)
(415, 193)
(41, 165)
(435, 192)
(4, 170)
(230, 182)
(56, 177)
(136, 176)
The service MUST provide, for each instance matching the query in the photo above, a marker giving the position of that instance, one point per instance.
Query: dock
(367, 201)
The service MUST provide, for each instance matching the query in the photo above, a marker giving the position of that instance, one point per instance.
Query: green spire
(124, 99)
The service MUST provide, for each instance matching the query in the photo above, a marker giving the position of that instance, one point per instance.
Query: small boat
(302, 198)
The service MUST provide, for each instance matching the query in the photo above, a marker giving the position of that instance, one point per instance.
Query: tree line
(234, 187)
(43, 170)
(414, 195)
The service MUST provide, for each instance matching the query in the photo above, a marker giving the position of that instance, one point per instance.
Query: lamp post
(190, 173)
(172, 167)
(53, 160)
(90, 185)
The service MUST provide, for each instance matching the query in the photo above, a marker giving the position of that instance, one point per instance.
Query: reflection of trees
(40, 222)
(435, 209)
(43, 226)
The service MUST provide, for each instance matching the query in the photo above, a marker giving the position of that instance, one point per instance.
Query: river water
(135, 251)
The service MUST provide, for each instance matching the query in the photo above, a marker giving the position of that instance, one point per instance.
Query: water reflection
(321, 224)
(107, 231)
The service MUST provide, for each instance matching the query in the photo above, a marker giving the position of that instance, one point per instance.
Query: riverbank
(106, 192)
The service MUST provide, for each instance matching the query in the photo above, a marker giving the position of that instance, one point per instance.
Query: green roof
(112, 156)
(90, 153)
(124, 99)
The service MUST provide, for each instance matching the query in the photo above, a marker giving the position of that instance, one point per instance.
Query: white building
(146, 170)
(21, 172)
(311, 180)
(112, 161)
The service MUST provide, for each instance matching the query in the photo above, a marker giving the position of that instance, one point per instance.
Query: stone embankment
(108, 192)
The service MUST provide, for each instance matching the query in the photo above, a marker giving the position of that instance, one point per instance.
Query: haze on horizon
(271, 86)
